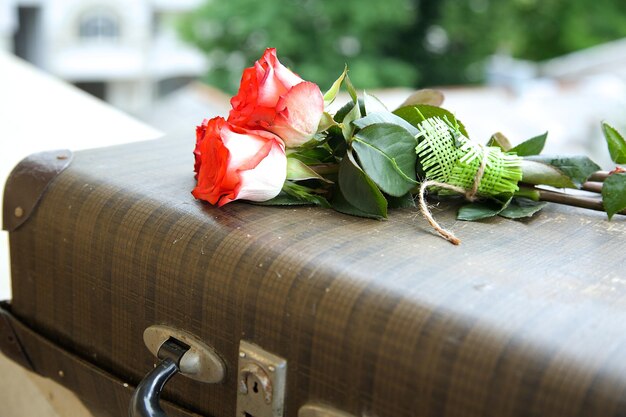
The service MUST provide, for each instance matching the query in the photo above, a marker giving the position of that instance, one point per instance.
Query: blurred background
(517, 66)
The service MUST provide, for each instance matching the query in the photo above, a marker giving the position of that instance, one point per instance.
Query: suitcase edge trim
(10, 344)
(27, 184)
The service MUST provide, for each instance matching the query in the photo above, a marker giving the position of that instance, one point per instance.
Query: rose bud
(234, 163)
(273, 98)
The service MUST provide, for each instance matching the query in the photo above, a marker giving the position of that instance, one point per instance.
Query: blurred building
(604, 60)
(125, 52)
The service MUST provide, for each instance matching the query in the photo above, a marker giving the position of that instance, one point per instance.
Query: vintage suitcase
(303, 311)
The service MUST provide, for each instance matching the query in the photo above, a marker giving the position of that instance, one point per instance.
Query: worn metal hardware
(321, 410)
(181, 352)
(173, 349)
(145, 399)
(261, 381)
(201, 362)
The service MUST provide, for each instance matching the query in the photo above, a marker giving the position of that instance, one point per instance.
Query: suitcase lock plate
(261, 382)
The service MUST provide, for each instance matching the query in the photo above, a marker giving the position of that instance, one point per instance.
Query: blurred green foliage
(313, 37)
(394, 42)
(527, 29)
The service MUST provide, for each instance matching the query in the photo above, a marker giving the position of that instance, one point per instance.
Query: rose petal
(247, 93)
(270, 87)
(244, 147)
(265, 181)
(298, 114)
(214, 156)
(200, 133)
(287, 77)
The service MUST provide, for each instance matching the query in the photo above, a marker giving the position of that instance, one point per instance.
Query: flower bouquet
(279, 146)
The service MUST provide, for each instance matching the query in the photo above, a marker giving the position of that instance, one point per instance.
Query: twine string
(470, 195)
(446, 234)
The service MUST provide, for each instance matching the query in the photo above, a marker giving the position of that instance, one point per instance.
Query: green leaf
(425, 96)
(351, 89)
(326, 122)
(336, 142)
(385, 117)
(373, 104)
(359, 190)
(304, 194)
(298, 171)
(412, 114)
(343, 111)
(331, 94)
(312, 156)
(614, 194)
(616, 143)
(387, 155)
(576, 169)
(341, 204)
(405, 201)
(295, 195)
(480, 210)
(532, 146)
(283, 199)
(498, 139)
(347, 128)
(522, 207)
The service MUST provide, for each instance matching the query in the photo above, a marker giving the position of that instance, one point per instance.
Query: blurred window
(100, 25)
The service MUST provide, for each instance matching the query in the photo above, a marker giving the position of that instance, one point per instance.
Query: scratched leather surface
(379, 318)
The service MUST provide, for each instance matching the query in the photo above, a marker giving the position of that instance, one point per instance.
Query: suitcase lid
(379, 317)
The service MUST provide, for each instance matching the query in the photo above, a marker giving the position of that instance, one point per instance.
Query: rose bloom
(233, 163)
(273, 98)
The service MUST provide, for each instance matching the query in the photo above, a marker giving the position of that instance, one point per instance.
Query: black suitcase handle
(145, 399)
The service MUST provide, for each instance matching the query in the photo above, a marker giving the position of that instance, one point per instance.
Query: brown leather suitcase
(303, 311)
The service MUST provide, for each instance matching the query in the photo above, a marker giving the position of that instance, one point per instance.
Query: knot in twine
(450, 161)
(470, 195)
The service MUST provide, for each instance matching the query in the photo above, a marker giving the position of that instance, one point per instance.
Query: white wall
(32, 100)
(8, 24)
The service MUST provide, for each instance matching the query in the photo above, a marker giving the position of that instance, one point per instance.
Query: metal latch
(179, 352)
(261, 382)
(200, 362)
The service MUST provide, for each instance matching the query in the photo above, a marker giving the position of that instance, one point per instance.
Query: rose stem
(599, 176)
(325, 168)
(594, 187)
(571, 200)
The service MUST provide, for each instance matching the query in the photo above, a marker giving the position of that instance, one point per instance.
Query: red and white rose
(234, 163)
(273, 98)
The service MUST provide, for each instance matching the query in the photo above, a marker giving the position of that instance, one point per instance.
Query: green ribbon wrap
(447, 156)
(453, 163)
